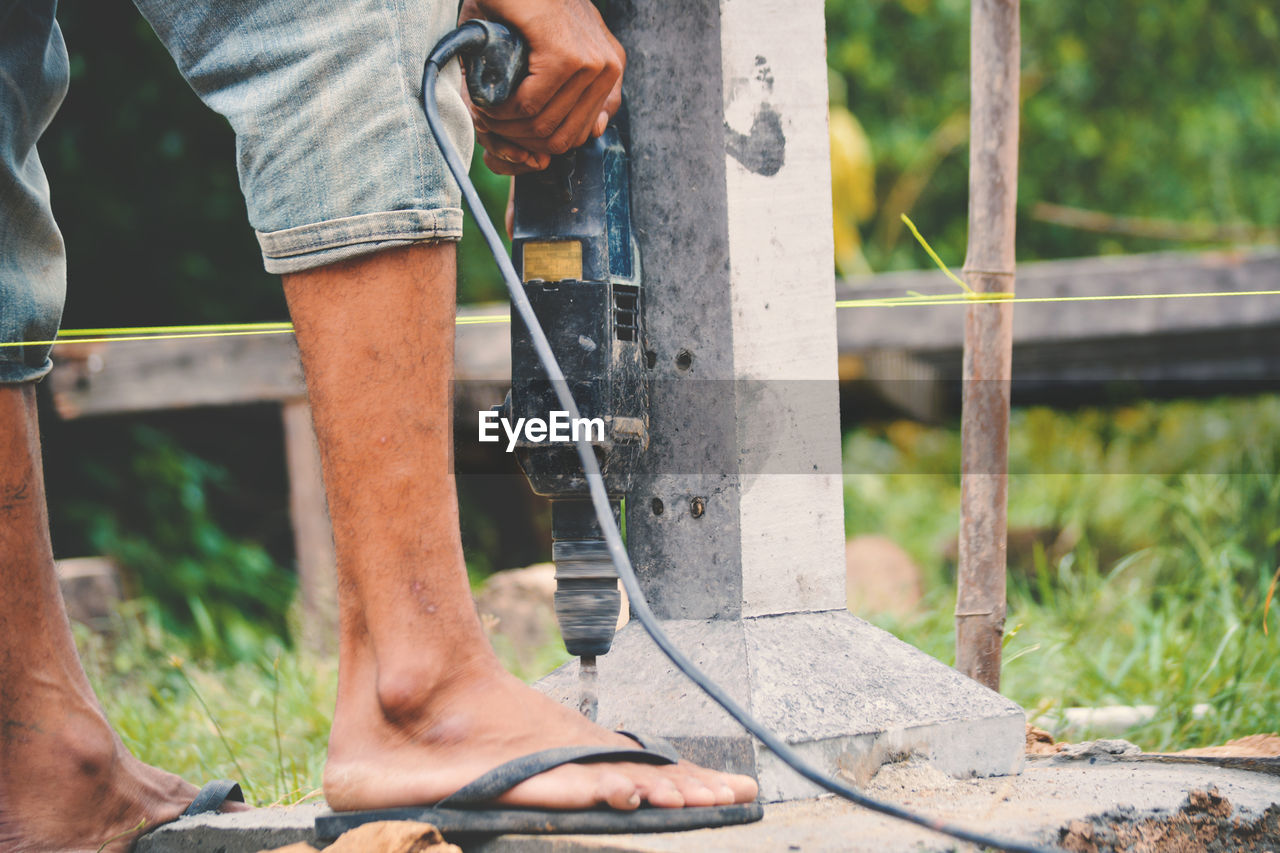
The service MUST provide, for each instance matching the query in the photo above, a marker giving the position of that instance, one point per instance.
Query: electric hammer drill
(577, 258)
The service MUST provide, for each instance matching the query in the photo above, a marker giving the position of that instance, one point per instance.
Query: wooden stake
(312, 534)
(988, 344)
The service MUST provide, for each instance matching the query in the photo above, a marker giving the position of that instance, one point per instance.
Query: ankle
(412, 690)
(63, 753)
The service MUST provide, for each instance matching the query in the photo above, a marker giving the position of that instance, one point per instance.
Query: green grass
(1174, 510)
(264, 724)
(1172, 513)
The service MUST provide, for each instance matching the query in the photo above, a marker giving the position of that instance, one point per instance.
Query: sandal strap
(213, 795)
(504, 777)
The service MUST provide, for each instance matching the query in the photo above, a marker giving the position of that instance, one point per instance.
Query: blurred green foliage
(1149, 536)
(1157, 109)
(224, 596)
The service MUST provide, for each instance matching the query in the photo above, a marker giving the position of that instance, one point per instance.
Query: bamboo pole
(988, 338)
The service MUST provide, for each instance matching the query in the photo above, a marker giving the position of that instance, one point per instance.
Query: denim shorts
(333, 151)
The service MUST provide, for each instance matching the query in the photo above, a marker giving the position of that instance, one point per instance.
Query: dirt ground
(1204, 824)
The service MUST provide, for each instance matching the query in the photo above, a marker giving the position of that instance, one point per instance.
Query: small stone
(1094, 750)
(880, 577)
(392, 836)
(1040, 742)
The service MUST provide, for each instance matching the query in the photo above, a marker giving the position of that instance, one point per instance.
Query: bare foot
(67, 783)
(417, 745)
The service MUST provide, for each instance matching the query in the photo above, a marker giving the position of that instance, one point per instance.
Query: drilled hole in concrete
(650, 359)
(684, 359)
(656, 506)
(697, 507)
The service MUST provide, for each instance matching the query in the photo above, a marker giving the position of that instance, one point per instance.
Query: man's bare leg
(66, 781)
(423, 705)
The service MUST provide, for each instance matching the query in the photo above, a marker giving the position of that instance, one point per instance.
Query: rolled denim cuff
(309, 246)
(18, 372)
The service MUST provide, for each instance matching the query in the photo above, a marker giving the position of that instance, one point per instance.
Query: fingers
(578, 125)
(573, 87)
(569, 118)
(547, 122)
(611, 106)
(504, 157)
(505, 167)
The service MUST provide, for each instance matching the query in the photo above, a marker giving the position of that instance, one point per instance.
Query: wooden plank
(1078, 352)
(138, 376)
(312, 533)
(941, 328)
(1186, 340)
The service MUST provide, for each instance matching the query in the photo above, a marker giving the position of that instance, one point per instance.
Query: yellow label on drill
(553, 261)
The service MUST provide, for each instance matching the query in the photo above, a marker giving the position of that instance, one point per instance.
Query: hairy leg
(423, 705)
(66, 780)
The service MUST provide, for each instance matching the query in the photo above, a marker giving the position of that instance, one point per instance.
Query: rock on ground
(880, 577)
(391, 836)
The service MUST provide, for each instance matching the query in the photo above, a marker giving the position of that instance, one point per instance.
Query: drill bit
(589, 700)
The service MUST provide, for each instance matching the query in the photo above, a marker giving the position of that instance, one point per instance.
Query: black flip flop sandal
(213, 795)
(469, 811)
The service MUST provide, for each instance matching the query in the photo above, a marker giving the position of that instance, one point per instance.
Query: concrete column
(736, 522)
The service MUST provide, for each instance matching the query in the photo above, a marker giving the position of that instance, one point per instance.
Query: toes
(660, 791)
(724, 789)
(695, 791)
(744, 788)
(617, 791)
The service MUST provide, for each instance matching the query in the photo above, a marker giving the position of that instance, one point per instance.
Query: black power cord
(474, 36)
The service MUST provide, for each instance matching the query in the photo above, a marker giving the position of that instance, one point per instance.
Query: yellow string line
(156, 330)
(168, 333)
(901, 301)
(115, 338)
(209, 330)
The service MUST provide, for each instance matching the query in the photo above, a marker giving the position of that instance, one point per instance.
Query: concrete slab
(847, 695)
(244, 832)
(1094, 802)
(1037, 807)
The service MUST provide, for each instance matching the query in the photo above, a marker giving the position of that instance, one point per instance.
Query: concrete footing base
(1093, 803)
(846, 694)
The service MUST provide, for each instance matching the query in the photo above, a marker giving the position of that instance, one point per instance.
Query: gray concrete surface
(847, 695)
(1034, 807)
(243, 832)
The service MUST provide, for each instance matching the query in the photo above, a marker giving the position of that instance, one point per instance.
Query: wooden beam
(139, 376)
(1083, 342)
(1080, 351)
(941, 328)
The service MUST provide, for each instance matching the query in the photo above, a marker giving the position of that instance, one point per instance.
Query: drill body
(574, 250)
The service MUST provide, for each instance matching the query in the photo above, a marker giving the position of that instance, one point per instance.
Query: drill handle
(494, 71)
